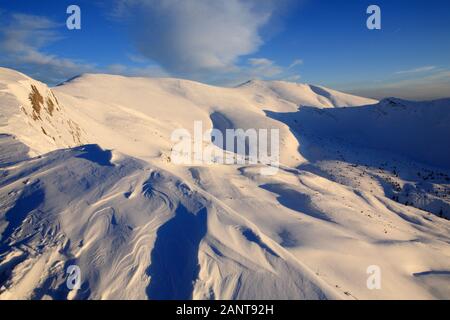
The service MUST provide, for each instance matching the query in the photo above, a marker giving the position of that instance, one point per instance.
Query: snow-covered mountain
(86, 179)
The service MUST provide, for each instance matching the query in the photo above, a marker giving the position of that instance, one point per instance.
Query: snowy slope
(31, 111)
(139, 114)
(125, 223)
(141, 227)
(288, 95)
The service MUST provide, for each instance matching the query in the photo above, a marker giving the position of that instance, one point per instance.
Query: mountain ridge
(141, 227)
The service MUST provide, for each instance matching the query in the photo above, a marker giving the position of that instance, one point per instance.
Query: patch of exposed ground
(37, 101)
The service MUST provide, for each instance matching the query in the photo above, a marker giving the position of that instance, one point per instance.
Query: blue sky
(228, 42)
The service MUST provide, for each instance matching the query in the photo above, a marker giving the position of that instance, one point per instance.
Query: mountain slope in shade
(349, 194)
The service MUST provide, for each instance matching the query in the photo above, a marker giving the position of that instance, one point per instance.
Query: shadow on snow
(174, 258)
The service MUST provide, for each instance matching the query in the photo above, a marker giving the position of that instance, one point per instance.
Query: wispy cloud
(22, 39)
(260, 62)
(258, 68)
(267, 69)
(417, 70)
(263, 68)
(295, 63)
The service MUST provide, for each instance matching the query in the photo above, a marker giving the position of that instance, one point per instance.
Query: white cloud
(196, 38)
(260, 62)
(262, 68)
(295, 63)
(417, 70)
(204, 40)
(258, 68)
(268, 69)
(22, 39)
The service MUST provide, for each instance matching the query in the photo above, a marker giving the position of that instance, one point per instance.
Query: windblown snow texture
(86, 179)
